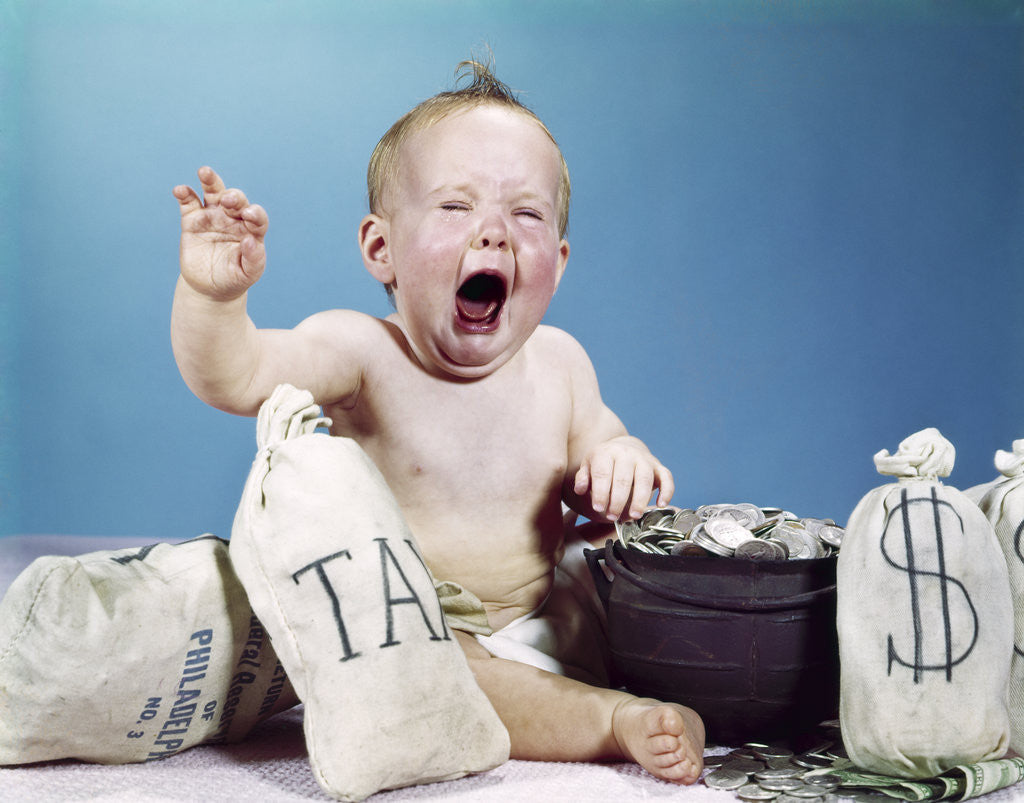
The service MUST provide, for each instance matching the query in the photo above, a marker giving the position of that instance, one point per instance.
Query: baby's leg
(554, 718)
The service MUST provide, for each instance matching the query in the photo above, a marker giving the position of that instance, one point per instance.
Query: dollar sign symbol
(1016, 550)
(918, 576)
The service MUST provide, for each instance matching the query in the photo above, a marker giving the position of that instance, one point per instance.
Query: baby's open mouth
(479, 301)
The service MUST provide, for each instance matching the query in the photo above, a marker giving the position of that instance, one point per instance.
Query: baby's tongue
(475, 309)
(480, 297)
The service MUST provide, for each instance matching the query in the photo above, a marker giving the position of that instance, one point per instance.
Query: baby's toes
(683, 770)
(664, 744)
(670, 721)
(667, 760)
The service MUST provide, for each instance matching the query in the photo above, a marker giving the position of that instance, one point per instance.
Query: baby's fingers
(255, 219)
(647, 478)
(610, 485)
(666, 484)
(211, 183)
(643, 487)
(253, 258)
(232, 201)
(187, 199)
(582, 480)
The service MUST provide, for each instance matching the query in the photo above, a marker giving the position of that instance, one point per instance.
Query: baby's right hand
(222, 251)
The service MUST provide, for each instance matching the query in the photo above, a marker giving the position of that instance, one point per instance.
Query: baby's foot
(665, 739)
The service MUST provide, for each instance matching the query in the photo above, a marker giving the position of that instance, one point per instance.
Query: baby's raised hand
(621, 475)
(222, 251)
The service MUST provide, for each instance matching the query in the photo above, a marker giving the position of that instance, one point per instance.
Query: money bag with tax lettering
(1002, 501)
(925, 621)
(337, 579)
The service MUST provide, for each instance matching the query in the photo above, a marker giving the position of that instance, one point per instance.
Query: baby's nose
(492, 234)
(497, 242)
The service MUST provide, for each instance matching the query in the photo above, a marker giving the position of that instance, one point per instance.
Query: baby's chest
(487, 438)
(516, 436)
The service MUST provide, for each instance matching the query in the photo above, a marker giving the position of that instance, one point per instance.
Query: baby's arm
(222, 356)
(611, 474)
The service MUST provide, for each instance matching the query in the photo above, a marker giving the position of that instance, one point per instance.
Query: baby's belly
(507, 559)
(501, 612)
(508, 587)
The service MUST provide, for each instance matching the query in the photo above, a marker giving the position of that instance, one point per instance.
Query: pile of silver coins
(742, 531)
(764, 772)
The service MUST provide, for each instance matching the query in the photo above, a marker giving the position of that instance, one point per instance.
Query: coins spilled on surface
(742, 531)
(766, 772)
(822, 771)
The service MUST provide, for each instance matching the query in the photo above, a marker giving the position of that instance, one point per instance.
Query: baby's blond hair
(484, 88)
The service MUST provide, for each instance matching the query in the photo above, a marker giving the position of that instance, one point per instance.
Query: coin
(685, 520)
(780, 545)
(707, 511)
(767, 751)
(779, 772)
(656, 516)
(832, 535)
(725, 778)
(727, 532)
(651, 540)
(752, 791)
(812, 761)
(757, 515)
(779, 784)
(687, 548)
(799, 543)
(805, 792)
(827, 781)
(627, 531)
(702, 539)
(761, 549)
(745, 514)
(746, 765)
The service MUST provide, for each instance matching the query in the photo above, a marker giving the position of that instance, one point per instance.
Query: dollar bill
(960, 783)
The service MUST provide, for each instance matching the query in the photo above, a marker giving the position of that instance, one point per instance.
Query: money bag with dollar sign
(925, 621)
(1002, 500)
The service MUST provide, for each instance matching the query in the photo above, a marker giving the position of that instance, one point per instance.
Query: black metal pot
(750, 645)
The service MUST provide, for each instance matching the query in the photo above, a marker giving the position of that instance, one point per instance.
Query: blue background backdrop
(797, 235)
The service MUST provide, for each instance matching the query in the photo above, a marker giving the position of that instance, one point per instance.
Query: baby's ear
(563, 260)
(373, 243)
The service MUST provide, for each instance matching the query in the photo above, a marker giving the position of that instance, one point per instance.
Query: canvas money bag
(1002, 501)
(336, 577)
(925, 621)
(131, 655)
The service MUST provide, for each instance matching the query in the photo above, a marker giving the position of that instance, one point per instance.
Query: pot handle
(714, 603)
(602, 584)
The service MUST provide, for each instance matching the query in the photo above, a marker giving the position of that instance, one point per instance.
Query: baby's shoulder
(345, 326)
(553, 337)
(558, 346)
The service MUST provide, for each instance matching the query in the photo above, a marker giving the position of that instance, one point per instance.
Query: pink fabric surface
(271, 764)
